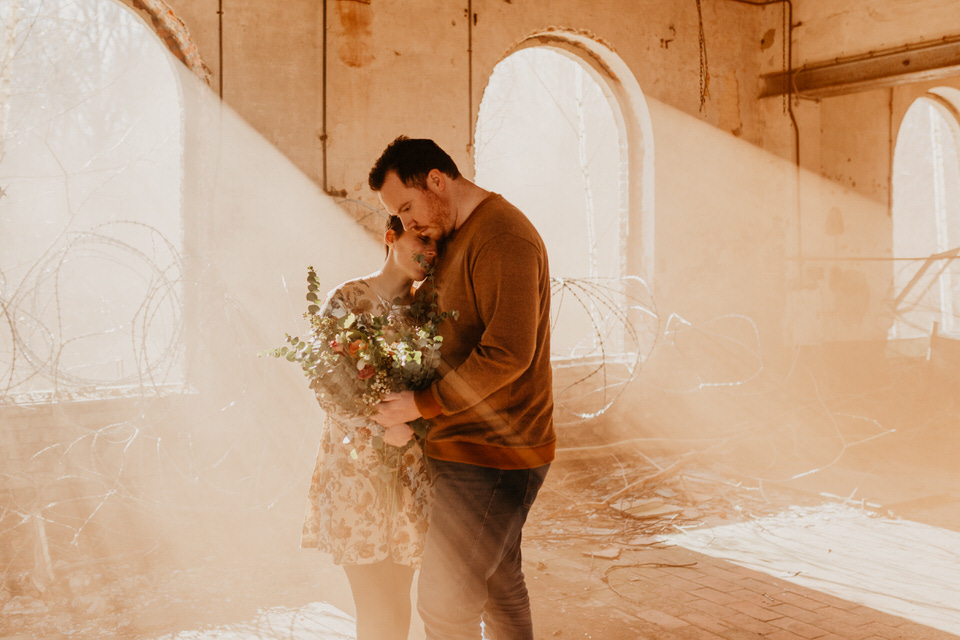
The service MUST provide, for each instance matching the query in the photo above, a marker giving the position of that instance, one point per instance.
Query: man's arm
(506, 278)
(507, 275)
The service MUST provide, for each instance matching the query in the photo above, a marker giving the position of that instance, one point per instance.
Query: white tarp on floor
(900, 567)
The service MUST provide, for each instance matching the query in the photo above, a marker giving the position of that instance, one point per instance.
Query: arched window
(564, 133)
(926, 217)
(90, 212)
(550, 137)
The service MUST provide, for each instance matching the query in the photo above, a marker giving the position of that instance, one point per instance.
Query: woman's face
(407, 248)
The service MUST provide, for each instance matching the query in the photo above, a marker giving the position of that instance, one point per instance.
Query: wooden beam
(917, 63)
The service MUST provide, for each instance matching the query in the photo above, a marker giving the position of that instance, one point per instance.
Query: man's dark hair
(412, 159)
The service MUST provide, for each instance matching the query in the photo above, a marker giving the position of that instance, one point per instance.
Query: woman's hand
(397, 435)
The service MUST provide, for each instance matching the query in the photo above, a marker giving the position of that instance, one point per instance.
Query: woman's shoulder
(354, 296)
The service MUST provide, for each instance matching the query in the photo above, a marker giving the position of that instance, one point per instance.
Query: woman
(378, 541)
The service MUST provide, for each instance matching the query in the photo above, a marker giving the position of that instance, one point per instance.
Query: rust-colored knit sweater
(493, 404)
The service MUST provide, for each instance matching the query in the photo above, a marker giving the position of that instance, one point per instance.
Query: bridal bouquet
(351, 361)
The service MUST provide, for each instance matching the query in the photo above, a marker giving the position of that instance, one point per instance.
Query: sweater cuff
(427, 403)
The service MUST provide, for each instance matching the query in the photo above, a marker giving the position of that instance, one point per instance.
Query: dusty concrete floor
(596, 501)
(219, 582)
(224, 582)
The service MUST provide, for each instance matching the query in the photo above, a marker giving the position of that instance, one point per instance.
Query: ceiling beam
(876, 70)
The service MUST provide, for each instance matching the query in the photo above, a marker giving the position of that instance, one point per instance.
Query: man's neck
(467, 197)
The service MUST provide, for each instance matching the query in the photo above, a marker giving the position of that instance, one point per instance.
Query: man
(491, 438)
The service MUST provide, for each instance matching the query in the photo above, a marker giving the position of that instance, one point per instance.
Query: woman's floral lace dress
(357, 511)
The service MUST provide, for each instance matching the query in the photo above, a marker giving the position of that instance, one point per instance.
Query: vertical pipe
(220, 46)
(323, 100)
(788, 37)
(470, 78)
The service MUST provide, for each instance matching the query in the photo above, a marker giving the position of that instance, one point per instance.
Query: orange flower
(354, 347)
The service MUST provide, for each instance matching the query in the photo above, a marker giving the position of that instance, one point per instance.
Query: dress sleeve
(333, 304)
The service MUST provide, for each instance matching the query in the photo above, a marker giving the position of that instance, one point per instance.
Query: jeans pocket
(535, 478)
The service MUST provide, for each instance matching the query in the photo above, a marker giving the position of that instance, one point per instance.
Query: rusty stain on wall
(767, 41)
(356, 16)
(175, 35)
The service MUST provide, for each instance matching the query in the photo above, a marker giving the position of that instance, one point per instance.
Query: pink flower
(366, 372)
(336, 346)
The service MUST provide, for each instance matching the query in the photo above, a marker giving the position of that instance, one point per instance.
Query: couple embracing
(469, 483)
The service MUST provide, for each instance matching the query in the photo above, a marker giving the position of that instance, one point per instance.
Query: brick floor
(676, 594)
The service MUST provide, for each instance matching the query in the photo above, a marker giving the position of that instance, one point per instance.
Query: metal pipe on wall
(788, 41)
(220, 47)
(470, 23)
(323, 99)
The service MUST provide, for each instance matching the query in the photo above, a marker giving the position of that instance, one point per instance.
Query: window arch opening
(548, 140)
(926, 218)
(90, 211)
(568, 142)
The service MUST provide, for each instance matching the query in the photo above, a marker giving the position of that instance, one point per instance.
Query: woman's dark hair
(393, 224)
(412, 159)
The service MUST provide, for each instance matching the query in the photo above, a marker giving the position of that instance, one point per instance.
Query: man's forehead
(394, 193)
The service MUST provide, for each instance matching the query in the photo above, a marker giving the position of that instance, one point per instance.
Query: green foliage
(351, 361)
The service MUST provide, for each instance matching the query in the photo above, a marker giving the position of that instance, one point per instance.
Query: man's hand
(396, 408)
(397, 435)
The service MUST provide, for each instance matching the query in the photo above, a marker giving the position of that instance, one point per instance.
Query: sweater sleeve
(507, 273)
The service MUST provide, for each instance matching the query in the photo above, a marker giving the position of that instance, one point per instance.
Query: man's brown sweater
(493, 404)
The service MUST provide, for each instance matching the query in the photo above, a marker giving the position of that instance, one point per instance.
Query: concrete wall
(420, 69)
(781, 258)
(405, 68)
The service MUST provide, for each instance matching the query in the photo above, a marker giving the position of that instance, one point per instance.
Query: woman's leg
(381, 593)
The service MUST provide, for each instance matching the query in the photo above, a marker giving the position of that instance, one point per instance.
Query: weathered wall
(738, 229)
(846, 274)
(420, 69)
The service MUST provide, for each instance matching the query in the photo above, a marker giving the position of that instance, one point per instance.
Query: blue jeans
(471, 561)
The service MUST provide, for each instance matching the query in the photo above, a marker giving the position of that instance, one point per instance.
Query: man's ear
(436, 181)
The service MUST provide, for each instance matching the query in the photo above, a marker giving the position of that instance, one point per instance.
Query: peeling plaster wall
(734, 232)
(739, 230)
(405, 68)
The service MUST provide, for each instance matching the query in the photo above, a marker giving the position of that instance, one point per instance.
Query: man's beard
(441, 224)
